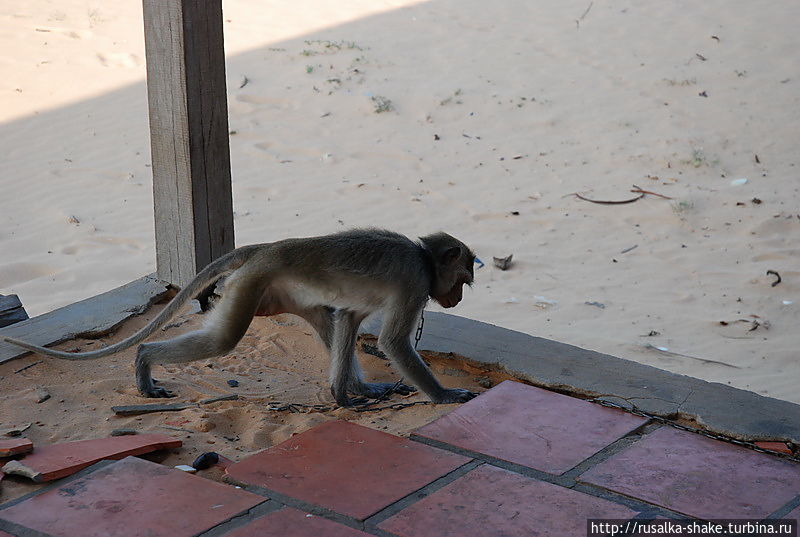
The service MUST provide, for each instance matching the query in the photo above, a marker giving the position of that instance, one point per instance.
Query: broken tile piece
(698, 476)
(492, 501)
(346, 467)
(60, 460)
(780, 447)
(530, 426)
(290, 522)
(131, 498)
(14, 446)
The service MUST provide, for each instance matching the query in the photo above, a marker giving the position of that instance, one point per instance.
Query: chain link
(715, 436)
(418, 335)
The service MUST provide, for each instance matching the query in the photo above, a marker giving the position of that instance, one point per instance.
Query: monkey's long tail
(212, 272)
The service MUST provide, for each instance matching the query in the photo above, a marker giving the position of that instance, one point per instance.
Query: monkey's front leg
(395, 341)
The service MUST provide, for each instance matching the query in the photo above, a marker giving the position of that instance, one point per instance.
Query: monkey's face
(454, 271)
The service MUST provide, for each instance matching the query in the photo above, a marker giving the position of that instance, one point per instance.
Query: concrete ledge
(542, 362)
(92, 317)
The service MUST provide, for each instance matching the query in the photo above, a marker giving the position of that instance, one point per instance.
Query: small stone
(186, 468)
(233, 383)
(484, 382)
(41, 395)
(206, 460)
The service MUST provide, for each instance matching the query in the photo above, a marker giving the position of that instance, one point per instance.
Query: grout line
(785, 509)
(414, 497)
(611, 449)
(20, 531)
(237, 521)
(510, 466)
(317, 510)
(642, 506)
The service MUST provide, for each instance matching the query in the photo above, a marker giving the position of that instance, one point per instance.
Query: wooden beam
(188, 135)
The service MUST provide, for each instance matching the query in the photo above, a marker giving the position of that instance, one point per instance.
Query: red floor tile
(4, 534)
(699, 476)
(290, 522)
(537, 428)
(54, 461)
(14, 446)
(492, 501)
(346, 467)
(131, 498)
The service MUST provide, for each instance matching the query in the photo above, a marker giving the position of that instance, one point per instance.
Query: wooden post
(188, 135)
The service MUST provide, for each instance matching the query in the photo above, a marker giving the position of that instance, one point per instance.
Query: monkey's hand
(454, 395)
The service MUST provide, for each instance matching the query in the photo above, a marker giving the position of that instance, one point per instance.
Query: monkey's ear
(450, 255)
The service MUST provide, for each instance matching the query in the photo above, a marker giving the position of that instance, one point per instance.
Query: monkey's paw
(157, 392)
(377, 390)
(454, 395)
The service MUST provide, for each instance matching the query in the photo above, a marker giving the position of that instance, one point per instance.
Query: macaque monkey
(333, 282)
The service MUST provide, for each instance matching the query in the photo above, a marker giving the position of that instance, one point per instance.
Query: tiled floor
(530, 426)
(131, 497)
(510, 504)
(359, 482)
(698, 476)
(346, 468)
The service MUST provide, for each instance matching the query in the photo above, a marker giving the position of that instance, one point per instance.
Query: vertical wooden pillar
(188, 135)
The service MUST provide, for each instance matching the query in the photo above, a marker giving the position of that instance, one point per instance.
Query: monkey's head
(453, 267)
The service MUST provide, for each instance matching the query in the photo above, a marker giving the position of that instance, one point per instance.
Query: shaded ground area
(279, 361)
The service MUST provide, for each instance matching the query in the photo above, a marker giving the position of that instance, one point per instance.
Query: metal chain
(418, 335)
(715, 436)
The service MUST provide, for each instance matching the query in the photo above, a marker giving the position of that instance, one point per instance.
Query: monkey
(333, 282)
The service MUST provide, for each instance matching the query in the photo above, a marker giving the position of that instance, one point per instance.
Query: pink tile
(51, 462)
(346, 467)
(537, 428)
(131, 498)
(698, 476)
(4, 534)
(293, 523)
(493, 501)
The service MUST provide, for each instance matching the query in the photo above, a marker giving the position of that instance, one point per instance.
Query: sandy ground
(279, 361)
(474, 118)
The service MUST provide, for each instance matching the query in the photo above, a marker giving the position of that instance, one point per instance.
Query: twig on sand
(579, 19)
(608, 202)
(704, 360)
(20, 370)
(636, 189)
(776, 282)
(639, 190)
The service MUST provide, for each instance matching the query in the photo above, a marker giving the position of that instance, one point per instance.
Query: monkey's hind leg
(323, 320)
(225, 326)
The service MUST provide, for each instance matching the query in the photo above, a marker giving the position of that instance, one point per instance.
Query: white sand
(592, 106)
